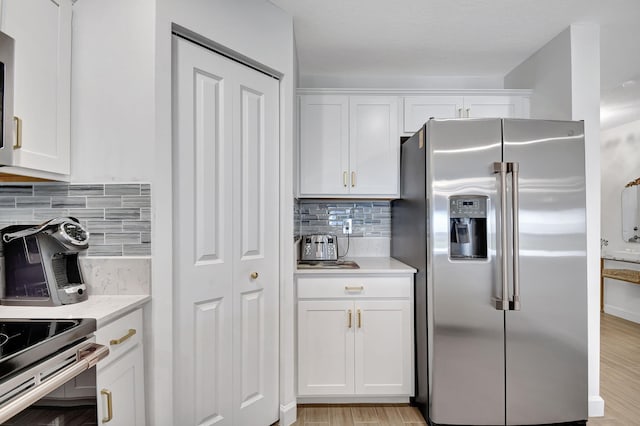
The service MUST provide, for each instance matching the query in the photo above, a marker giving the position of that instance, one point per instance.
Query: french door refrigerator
(492, 215)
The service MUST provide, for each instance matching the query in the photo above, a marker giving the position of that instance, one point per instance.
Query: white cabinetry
(349, 146)
(355, 336)
(418, 109)
(120, 376)
(42, 95)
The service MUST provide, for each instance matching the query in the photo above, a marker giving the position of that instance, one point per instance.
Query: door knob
(254, 275)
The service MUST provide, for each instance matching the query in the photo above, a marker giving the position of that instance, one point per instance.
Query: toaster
(319, 247)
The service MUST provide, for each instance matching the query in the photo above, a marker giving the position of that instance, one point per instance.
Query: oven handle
(88, 356)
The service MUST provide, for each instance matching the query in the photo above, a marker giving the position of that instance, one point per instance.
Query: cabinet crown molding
(413, 92)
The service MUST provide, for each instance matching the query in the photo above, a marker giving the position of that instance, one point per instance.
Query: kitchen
(129, 83)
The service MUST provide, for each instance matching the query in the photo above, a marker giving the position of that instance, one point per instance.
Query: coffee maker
(41, 263)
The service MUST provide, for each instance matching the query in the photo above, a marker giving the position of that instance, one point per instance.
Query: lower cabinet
(120, 376)
(357, 343)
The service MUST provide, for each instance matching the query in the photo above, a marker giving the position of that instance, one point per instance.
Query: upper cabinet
(418, 109)
(349, 146)
(42, 95)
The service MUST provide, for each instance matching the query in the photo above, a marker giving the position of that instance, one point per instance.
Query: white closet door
(226, 207)
(255, 249)
(203, 254)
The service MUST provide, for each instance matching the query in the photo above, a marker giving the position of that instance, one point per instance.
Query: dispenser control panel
(468, 227)
(460, 206)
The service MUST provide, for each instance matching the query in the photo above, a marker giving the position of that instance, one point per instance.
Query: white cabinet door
(494, 107)
(120, 387)
(42, 88)
(383, 347)
(325, 347)
(324, 145)
(374, 145)
(419, 109)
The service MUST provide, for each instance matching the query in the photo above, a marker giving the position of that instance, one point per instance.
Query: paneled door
(225, 173)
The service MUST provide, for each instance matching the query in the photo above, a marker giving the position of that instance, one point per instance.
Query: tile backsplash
(117, 216)
(370, 218)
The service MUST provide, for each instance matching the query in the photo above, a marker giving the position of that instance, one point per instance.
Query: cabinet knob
(254, 275)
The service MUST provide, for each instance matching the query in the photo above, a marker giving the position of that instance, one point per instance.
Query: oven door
(44, 393)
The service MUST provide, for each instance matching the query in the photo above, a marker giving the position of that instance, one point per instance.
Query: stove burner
(4, 338)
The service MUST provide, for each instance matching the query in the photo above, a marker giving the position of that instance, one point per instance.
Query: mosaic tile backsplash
(117, 216)
(370, 218)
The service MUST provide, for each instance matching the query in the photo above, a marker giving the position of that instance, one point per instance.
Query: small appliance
(41, 263)
(319, 247)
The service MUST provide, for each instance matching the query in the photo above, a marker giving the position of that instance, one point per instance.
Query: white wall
(565, 77)
(112, 91)
(548, 73)
(620, 161)
(259, 30)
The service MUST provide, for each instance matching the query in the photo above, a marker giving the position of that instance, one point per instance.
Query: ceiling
(465, 38)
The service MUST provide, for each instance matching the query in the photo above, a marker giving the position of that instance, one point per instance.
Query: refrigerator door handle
(502, 304)
(514, 168)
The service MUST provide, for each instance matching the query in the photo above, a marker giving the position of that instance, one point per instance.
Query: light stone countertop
(103, 308)
(368, 265)
(621, 258)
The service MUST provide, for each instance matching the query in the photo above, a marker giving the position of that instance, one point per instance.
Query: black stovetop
(24, 342)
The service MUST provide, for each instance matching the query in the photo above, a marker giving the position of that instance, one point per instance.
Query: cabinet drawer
(119, 337)
(354, 286)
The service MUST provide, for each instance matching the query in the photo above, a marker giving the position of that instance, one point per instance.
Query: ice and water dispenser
(468, 227)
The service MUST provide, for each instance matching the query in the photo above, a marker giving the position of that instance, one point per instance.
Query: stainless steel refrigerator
(492, 215)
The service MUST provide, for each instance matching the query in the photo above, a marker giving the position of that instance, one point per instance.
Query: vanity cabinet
(120, 376)
(418, 109)
(42, 87)
(355, 336)
(349, 146)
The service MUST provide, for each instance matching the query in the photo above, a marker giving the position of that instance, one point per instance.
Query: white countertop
(622, 256)
(368, 265)
(103, 308)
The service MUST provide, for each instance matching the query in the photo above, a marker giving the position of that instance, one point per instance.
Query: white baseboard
(288, 413)
(622, 313)
(596, 406)
(353, 400)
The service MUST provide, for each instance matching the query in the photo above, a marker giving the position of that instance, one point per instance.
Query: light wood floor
(619, 386)
(619, 372)
(341, 415)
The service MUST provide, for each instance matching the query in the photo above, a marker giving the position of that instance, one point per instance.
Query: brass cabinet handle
(109, 417)
(353, 179)
(467, 112)
(353, 288)
(344, 179)
(131, 333)
(359, 319)
(18, 122)
(254, 275)
(349, 318)
(460, 113)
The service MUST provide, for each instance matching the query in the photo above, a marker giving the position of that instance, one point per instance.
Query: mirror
(631, 212)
